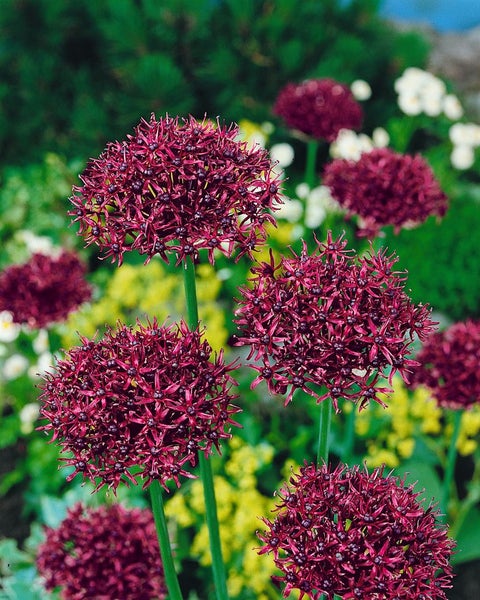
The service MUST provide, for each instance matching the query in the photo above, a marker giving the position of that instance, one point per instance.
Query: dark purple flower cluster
(103, 553)
(45, 289)
(357, 535)
(384, 187)
(330, 320)
(318, 108)
(450, 365)
(145, 397)
(177, 187)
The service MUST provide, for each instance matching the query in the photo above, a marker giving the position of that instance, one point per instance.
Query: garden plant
(241, 361)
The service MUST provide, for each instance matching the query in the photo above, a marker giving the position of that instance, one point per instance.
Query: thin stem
(325, 418)
(218, 567)
(310, 165)
(349, 437)
(174, 592)
(450, 464)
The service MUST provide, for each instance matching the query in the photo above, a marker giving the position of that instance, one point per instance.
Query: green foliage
(86, 71)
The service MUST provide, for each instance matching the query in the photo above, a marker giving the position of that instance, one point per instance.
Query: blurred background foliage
(74, 75)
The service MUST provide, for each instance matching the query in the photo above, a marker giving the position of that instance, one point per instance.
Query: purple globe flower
(107, 552)
(358, 535)
(177, 187)
(319, 108)
(450, 365)
(330, 319)
(385, 188)
(44, 290)
(139, 403)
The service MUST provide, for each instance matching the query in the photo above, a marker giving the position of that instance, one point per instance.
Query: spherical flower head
(450, 365)
(329, 319)
(139, 403)
(384, 187)
(357, 535)
(318, 108)
(44, 290)
(177, 187)
(104, 552)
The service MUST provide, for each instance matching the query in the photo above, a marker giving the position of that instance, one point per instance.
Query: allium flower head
(177, 187)
(450, 365)
(107, 552)
(384, 187)
(45, 289)
(319, 108)
(357, 535)
(145, 397)
(329, 320)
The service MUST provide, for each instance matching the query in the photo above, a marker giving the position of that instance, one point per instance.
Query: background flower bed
(107, 81)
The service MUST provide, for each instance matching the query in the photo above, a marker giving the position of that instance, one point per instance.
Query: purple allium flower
(357, 535)
(384, 187)
(329, 320)
(177, 187)
(45, 289)
(450, 365)
(145, 397)
(105, 553)
(318, 108)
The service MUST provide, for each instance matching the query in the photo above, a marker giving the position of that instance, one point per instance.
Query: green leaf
(468, 546)
(425, 479)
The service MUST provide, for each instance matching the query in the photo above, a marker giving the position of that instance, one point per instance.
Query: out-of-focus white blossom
(462, 157)
(40, 343)
(291, 210)
(43, 364)
(14, 366)
(283, 154)
(37, 244)
(433, 105)
(452, 108)
(302, 190)
(421, 92)
(410, 104)
(361, 90)
(380, 137)
(28, 415)
(317, 204)
(8, 329)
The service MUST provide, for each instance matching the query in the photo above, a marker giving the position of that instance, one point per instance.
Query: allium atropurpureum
(145, 397)
(177, 187)
(358, 535)
(108, 552)
(330, 319)
(319, 108)
(450, 365)
(45, 289)
(384, 187)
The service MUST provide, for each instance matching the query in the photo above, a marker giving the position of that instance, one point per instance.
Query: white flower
(410, 104)
(302, 190)
(8, 329)
(452, 108)
(410, 81)
(44, 363)
(350, 145)
(319, 203)
(37, 244)
(465, 134)
(14, 366)
(28, 415)
(462, 157)
(361, 90)
(40, 343)
(380, 137)
(432, 105)
(290, 210)
(283, 153)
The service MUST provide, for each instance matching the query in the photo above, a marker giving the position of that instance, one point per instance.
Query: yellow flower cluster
(137, 291)
(239, 505)
(390, 433)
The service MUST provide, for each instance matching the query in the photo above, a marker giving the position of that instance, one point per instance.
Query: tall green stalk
(218, 567)
(174, 592)
(310, 175)
(450, 464)
(325, 418)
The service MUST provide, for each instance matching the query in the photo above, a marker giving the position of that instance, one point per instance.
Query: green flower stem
(450, 465)
(218, 567)
(325, 418)
(174, 592)
(310, 174)
(349, 437)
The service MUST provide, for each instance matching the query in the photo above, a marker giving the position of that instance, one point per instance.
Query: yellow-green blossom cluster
(390, 434)
(136, 291)
(239, 504)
